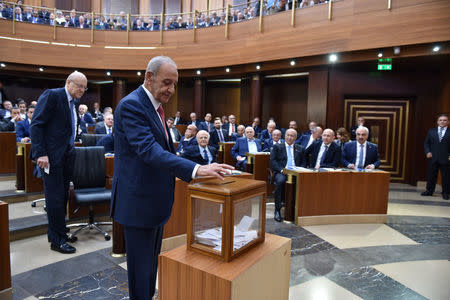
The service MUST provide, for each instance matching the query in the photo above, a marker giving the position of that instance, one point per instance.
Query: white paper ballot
(47, 170)
(302, 169)
(245, 223)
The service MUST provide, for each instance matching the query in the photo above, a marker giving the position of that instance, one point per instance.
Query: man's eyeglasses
(80, 86)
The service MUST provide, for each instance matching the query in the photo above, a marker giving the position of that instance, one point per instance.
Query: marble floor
(405, 258)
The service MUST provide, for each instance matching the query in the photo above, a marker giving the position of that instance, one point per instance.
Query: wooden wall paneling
(246, 115)
(156, 6)
(216, 5)
(5, 265)
(173, 6)
(119, 91)
(82, 5)
(32, 2)
(317, 96)
(8, 150)
(200, 5)
(186, 6)
(96, 6)
(256, 83)
(61, 4)
(144, 6)
(185, 97)
(50, 3)
(223, 99)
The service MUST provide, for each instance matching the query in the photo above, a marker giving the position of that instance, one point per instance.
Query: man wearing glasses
(53, 131)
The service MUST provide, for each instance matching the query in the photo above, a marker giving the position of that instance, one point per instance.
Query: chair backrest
(90, 167)
(90, 139)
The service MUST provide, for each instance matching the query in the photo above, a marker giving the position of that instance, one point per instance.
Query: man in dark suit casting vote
(145, 167)
(437, 150)
(53, 131)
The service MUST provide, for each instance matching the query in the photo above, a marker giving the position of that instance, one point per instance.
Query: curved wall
(355, 25)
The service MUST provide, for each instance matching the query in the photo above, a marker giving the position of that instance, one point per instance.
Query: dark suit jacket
(145, 165)
(22, 129)
(258, 131)
(440, 150)
(204, 126)
(303, 140)
(101, 129)
(107, 142)
(176, 133)
(193, 154)
(332, 156)
(278, 157)
(6, 125)
(214, 137)
(227, 127)
(241, 147)
(349, 154)
(265, 135)
(85, 121)
(235, 136)
(196, 123)
(268, 144)
(181, 121)
(184, 144)
(51, 126)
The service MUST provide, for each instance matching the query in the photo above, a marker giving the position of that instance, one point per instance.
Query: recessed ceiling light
(227, 70)
(108, 73)
(397, 50)
(258, 67)
(41, 69)
(333, 57)
(2, 65)
(199, 72)
(380, 54)
(292, 62)
(139, 73)
(436, 48)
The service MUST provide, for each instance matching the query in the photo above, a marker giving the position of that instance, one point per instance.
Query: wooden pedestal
(262, 273)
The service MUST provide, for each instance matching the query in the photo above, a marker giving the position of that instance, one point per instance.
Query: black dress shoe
(63, 248)
(445, 196)
(277, 216)
(427, 193)
(71, 239)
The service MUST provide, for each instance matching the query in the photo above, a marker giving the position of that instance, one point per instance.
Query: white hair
(156, 62)
(365, 128)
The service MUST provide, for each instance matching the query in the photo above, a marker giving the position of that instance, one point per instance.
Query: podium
(261, 273)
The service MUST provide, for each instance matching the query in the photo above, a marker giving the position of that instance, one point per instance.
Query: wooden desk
(337, 197)
(181, 128)
(5, 265)
(224, 153)
(259, 164)
(8, 152)
(261, 273)
(175, 145)
(25, 179)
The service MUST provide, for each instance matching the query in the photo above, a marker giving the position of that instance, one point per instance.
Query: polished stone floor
(405, 258)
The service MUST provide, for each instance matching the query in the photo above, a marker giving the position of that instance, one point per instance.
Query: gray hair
(75, 75)
(363, 127)
(156, 62)
(315, 129)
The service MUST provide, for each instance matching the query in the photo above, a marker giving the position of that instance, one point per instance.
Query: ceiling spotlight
(292, 62)
(227, 70)
(332, 57)
(396, 50)
(108, 73)
(41, 69)
(199, 72)
(258, 67)
(436, 48)
(2, 65)
(139, 73)
(380, 54)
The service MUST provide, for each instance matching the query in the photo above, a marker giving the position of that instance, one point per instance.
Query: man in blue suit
(218, 134)
(307, 140)
(239, 133)
(361, 154)
(201, 154)
(324, 153)
(53, 131)
(207, 124)
(23, 127)
(267, 133)
(145, 167)
(188, 139)
(244, 145)
(85, 118)
(276, 139)
(194, 121)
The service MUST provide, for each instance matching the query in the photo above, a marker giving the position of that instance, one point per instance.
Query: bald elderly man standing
(53, 132)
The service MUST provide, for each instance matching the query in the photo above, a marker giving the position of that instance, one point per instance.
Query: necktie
(109, 130)
(73, 123)
(232, 128)
(220, 136)
(441, 133)
(161, 115)
(290, 161)
(205, 155)
(361, 154)
(323, 155)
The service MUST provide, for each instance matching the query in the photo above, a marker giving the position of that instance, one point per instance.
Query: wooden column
(255, 98)
(317, 97)
(119, 91)
(199, 90)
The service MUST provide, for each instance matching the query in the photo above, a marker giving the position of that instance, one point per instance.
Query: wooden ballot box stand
(224, 153)
(25, 180)
(259, 165)
(8, 152)
(5, 265)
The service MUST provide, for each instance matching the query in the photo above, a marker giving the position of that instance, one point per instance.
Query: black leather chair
(89, 185)
(88, 140)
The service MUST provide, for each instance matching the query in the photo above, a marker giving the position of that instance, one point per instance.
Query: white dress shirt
(311, 140)
(252, 146)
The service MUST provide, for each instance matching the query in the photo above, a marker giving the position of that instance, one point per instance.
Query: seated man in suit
(284, 155)
(201, 154)
(188, 139)
(244, 145)
(306, 140)
(194, 121)
(178, 119)
(276, 139)
(231, 126)
(311, 126)
(361, 154)
(23, 127)
(107, 126)
(85, 118)
(96, 112)
(324, 153)
(107, 142)
(359, 122)
(257, 126)
(207, 124)
(267, 133)
(9, 123)
(173, 132)
(218, 135)
(6, 111)
(239, 133)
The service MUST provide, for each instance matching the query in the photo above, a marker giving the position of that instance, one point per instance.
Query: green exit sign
(384, 67)
(385, 60)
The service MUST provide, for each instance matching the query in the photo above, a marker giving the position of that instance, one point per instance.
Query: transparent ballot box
(226, 218)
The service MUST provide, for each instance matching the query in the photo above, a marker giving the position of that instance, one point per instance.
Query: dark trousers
(241, 165)
(279, 180)
(143, 247)
(433, 168)
(56, 190)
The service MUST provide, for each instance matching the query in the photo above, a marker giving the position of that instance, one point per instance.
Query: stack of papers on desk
(302, 169)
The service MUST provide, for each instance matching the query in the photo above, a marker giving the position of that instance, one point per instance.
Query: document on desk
(301, 169)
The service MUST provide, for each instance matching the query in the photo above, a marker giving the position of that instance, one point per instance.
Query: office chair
(90, 139)
(89, 186)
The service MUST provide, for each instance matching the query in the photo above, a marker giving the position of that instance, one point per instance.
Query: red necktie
(160, 111)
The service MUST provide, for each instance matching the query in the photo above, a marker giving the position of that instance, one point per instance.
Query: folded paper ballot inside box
(226, 218)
